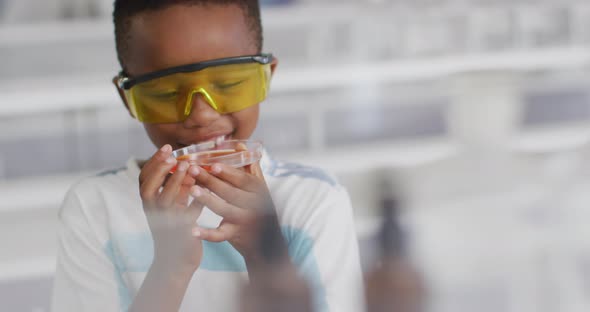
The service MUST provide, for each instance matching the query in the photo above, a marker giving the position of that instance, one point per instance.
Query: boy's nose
(201, 113)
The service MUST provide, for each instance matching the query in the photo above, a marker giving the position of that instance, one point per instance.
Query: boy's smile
(167, 38)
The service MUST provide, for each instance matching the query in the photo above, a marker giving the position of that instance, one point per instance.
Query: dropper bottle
(275, 285)
(393, 285)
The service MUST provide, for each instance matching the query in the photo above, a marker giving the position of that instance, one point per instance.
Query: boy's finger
(223, 233)
(255, 170)
(185, 190)
(236, 177)
(153, 180)
(193, 211)
(241, 147)
(221, 188)
(188, 180)
(171, 190)
(160, 156)
(216, 204)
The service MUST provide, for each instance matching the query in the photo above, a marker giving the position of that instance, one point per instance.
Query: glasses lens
(237, 87)
(230, 88)
(156, 100)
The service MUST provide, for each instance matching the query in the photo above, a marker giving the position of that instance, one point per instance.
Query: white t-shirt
(106, 248)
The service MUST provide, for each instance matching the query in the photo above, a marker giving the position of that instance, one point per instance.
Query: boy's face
(182, 35)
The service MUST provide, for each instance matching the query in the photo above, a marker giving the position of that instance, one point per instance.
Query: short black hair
(125, 10)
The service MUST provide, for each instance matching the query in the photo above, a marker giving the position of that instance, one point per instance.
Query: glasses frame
(127, 83)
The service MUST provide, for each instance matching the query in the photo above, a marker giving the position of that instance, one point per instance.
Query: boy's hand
(242, 198)
(170, 216)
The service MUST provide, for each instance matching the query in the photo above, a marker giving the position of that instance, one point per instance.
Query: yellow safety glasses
(228, 85)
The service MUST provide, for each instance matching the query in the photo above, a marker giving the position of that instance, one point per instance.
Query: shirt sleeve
(86, 279)
(327, 253)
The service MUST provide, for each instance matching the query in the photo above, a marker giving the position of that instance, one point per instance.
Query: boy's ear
(121, 93)
(273, 65)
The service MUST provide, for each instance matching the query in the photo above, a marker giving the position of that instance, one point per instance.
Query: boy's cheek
(161, 134)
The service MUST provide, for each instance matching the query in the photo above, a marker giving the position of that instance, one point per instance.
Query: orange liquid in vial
(202, 159)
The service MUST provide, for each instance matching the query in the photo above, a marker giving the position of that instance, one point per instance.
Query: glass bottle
(275, 285)
(393, 284)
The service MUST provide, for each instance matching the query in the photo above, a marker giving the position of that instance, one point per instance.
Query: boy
(129, 240)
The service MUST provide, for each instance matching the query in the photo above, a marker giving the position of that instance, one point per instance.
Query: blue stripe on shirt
(281, 169)
(221, 257)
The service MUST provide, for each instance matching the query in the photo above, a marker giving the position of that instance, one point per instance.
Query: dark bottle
(275, 285)
(393, 285)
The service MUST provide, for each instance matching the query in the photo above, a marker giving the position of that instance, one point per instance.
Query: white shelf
(432, 68)
(552, 139)
(360, 158)
(102, 28)
(28, 268)
(79, 93)
(35, 193)
(55, 32)
(309, 14)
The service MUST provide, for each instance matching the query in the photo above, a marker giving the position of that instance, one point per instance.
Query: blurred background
(479, 109)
